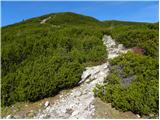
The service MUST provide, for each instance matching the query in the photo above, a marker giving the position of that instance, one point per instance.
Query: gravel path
(78, 103)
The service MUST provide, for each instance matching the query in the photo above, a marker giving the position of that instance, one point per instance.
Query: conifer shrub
(139, 93)
(39, 60)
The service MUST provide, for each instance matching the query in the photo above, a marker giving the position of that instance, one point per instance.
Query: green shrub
(140, 95)
(39, 60)
(145, 36)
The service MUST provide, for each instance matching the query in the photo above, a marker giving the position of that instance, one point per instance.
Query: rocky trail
(79, 102)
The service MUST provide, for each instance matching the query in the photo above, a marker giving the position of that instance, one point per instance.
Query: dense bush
(132, 84)
(145, 36)
(39, 60)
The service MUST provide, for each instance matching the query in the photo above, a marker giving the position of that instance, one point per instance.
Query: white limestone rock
(10, 117)
(46, 104)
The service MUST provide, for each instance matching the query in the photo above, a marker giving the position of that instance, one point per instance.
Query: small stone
(78, 93)
(63, 110)
(138, 115)
(120, 46)
(75, 113)
(19, 116)
(46, 104)
(10, 117)
(69, 111)
(48, 108)
(47, 116)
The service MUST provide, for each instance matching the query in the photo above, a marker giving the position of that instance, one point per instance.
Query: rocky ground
(80, 102)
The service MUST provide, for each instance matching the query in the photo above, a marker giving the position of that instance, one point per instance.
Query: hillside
(116, 23)
(44, 55)
(64, 18)
(39, 60)
(134, 34)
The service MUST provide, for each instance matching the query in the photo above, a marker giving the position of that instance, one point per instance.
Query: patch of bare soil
(29, 109)
(105, 111)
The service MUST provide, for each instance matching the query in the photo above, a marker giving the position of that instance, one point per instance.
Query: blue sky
(144, 11)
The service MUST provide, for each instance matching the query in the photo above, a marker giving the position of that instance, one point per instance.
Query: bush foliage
(140, 35)
(39, 60)
(132, 84)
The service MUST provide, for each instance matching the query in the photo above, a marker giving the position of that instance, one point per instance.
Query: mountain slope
(44, 55)
(39, 60)
(134, 34)
(63, 18)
